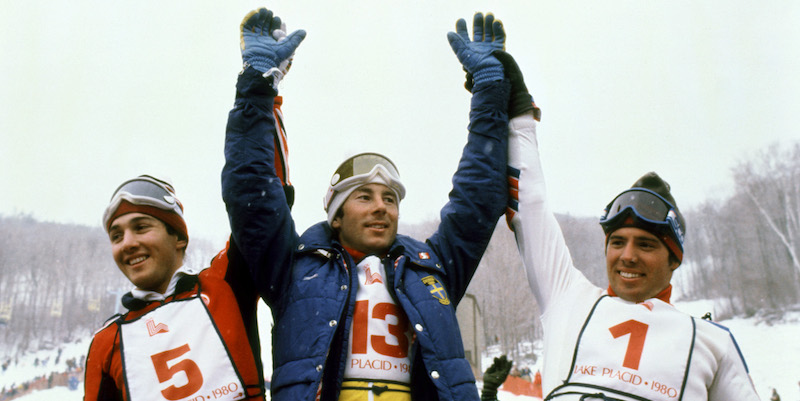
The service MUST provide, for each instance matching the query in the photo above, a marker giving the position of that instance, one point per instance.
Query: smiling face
(144, 251)
(368, 222)
(638, 264)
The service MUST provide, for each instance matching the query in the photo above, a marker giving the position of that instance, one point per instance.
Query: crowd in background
(69, 374)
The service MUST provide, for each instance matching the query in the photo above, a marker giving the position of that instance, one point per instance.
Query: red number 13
(380, 311)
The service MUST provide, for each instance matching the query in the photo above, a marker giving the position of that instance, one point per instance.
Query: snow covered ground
(772, 353)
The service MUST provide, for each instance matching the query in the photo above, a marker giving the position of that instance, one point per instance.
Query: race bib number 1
(640, 349)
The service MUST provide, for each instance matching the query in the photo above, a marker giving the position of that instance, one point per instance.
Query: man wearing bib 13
(360, 312)
(626, 342)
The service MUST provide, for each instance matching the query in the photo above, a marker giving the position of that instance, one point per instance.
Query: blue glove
(262, 50)
(476, 55)
(280, 35)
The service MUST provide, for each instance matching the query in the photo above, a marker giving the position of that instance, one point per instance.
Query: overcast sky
(95, 92)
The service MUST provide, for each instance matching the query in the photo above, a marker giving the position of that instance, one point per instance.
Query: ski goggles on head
(645, 208)
(144, 191)
(363, 169)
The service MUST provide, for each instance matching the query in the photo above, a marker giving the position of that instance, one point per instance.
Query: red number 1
(360, 325)
(638, 332)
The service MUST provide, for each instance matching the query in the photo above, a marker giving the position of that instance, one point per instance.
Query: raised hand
(494, 377)
(265, 45)
(520, 100)
(476, 54)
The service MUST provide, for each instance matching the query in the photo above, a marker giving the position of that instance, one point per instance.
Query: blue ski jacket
(306, 279)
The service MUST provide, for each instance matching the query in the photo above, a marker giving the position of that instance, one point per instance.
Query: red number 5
(166, 372)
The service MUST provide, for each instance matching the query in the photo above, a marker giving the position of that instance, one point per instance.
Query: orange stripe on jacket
(281, 144)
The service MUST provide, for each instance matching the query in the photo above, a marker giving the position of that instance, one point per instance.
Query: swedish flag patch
(437, 289)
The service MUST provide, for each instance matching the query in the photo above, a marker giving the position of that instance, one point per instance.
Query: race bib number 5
(174, 353)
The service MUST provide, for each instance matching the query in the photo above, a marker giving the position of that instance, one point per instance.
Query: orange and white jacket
(200, 342)
(197, 343)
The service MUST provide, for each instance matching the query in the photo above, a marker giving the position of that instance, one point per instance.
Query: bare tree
(772, 183)
(745, 248)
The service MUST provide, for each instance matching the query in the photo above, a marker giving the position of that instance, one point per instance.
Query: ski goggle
(365, 168)
(647, 209)
(144, 191)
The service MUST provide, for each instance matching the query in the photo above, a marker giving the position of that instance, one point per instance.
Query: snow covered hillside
(772, 353)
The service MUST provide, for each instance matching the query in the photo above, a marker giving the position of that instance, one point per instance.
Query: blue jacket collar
(321, 236)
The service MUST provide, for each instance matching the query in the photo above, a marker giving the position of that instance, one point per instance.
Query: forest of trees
(746, 249)
(58, 282)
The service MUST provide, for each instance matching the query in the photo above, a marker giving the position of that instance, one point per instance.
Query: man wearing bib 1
(187, 335)
(361, 312)
(626, 342)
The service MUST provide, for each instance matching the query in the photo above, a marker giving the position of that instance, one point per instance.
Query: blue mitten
(261, 50)
(476, 54)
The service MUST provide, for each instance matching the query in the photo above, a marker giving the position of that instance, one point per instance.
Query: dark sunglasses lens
(646, 205)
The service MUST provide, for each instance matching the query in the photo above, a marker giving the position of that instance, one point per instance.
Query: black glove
(520, 101)
(494, 377)
(470, 81)
(288, 190)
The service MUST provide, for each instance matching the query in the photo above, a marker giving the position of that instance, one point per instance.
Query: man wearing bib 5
(361, 312)
(187, 335)
(626, 342)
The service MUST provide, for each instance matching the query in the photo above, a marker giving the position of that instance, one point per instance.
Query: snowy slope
(772, 353)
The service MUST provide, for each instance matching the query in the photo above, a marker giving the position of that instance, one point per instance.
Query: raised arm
(261, 223)
(479, 192)
(541, 244)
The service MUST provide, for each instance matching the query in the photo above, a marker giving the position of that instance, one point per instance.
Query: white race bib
(380, 339)
(641, 349)
(175, 353)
